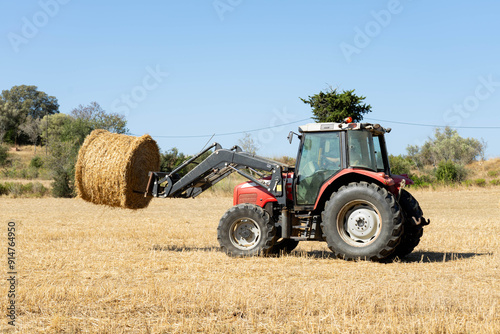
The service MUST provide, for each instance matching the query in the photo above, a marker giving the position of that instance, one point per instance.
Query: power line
(232, 133)
(307, 119)
(434, 126)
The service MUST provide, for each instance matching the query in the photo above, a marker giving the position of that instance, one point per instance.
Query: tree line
(30, 116)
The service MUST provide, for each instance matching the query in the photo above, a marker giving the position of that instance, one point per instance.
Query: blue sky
(187, 69)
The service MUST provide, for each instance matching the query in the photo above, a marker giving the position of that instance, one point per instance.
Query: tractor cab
(329, 149)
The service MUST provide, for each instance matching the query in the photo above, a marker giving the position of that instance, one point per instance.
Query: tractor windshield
(362, 152)
(320, 158)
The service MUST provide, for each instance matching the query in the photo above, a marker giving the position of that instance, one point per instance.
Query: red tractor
(341, 191)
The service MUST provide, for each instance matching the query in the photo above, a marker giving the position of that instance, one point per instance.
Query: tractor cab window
(378, 154)
(361, 150)
(319, 160)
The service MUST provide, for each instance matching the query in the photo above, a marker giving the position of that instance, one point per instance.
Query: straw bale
(111, 166)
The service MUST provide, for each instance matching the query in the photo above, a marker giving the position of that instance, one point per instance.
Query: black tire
(362, 221)
(283, 246)
(246, 230)
(411, 233)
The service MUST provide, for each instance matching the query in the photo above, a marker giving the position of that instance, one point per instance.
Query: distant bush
(448, 171)
(480, 182)
(493, 173)
(16, 189)
(286, 160)
(423, 180)
(3, 189)
(4, 155)
(63, 185)
(14, 172)
(28, 173)
(400, 164)
(495, 182)
(39, 190)
(36, 162)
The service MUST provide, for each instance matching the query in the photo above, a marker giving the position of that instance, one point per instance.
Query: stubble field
(85, 268)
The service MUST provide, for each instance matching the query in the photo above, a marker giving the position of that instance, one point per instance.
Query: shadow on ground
(176, 248)
(415, 257)
(432, 257)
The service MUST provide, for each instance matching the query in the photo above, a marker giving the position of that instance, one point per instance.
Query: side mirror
(290, 136)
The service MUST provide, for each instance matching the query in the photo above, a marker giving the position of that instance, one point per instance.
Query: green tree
(400, 164)
(80, 123)
(19, 102)
(61, 161)
(31, 127)
(52, 128)
(447, 145)
(100, 119)
(10, 118)
(247, 144)
(170, 159)
(64, 134)
(334, 106)
(4, 155)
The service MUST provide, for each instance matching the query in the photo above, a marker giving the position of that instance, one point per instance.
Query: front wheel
(362, 221)
(246, 230)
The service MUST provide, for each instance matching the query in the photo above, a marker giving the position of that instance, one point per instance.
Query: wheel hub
(362, 224)
(359, 223)
(245, 233)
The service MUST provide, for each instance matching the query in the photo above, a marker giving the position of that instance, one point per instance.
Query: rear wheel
(362, 221)
(246, 230)
(412, 232)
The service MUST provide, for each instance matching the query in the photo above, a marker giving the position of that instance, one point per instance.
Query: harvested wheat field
(87, 268)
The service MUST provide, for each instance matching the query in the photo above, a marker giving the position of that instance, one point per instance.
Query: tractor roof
(376, 129)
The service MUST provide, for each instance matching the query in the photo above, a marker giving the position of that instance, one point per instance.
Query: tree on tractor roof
(334, 106)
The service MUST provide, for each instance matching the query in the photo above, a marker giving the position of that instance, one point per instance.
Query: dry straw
(112, 169)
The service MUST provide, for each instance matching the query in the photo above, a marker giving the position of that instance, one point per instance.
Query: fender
(381, 177)
(399, 178)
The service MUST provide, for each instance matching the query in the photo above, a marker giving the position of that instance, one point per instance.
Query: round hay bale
(110, 167)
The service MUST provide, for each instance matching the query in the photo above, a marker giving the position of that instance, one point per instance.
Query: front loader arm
(220, 164)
